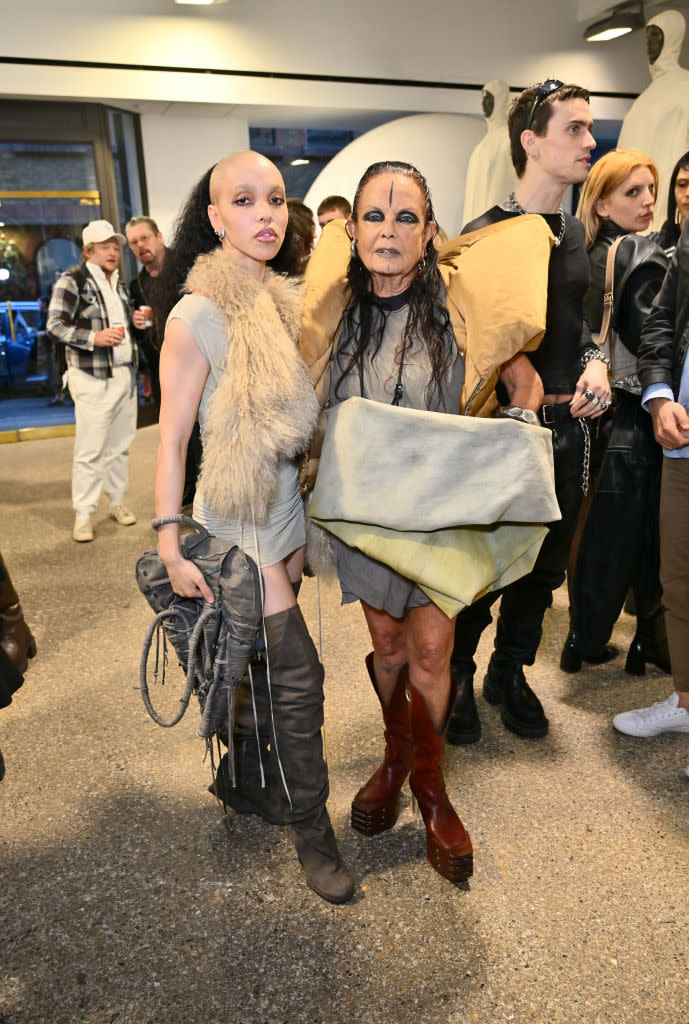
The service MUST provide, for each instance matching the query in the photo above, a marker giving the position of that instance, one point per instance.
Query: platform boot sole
(373, 822)
(456, 867)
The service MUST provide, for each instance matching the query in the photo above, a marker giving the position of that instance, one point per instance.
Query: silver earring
(422, 264)
(221, 234)
(353, 248)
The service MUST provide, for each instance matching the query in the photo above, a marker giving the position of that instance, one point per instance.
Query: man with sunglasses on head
(550, 142)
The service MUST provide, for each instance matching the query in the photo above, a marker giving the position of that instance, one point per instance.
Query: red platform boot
(448, 846)
(376, 806)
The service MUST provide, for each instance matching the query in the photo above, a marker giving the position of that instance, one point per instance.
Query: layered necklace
(512, 205)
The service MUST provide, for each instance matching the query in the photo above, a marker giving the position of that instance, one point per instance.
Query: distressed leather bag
(213, 642)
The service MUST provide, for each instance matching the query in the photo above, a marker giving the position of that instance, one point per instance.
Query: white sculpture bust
(490, 174)
(658, 120)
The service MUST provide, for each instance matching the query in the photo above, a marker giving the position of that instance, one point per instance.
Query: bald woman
(230, 357)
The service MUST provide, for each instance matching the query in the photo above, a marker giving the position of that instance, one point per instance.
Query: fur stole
(265, 406)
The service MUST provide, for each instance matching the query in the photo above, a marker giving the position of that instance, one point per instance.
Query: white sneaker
(83, 530)
(123, 516)
(663, 716)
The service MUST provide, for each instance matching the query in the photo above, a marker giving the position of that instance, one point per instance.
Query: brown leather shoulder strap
(608, 295)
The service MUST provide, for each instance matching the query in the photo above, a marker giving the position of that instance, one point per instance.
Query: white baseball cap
(100, 231)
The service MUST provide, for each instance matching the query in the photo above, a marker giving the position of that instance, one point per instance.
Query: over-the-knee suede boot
(448, 846)
(296, 680)
(256, 786)
(257, 783)
(376, 806)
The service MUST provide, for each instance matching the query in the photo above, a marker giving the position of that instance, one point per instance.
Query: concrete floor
(126, 898)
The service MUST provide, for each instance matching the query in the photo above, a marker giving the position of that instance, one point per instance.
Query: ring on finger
(590, 395)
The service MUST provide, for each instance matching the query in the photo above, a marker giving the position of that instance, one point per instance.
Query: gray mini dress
(283, 530)
(390, 378)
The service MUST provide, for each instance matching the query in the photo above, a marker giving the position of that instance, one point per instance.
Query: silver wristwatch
(515, 412)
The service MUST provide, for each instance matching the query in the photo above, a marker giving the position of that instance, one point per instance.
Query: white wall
(446, 40)
(439, 145)
(178, 149)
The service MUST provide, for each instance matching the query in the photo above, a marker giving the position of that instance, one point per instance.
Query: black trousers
(524, 603)
(619, 549)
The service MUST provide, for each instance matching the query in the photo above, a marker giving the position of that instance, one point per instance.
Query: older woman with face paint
(399, 343)
(230, 354)
(621, 527)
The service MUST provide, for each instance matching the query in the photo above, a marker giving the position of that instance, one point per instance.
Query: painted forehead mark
(392, 185)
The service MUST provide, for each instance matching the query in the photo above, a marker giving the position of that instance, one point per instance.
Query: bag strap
(609, 302)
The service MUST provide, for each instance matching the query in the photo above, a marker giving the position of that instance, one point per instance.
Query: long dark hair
(428, 318)
(192, 236)
(672, 219)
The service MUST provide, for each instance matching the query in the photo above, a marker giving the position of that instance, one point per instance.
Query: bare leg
(388, 636)
(277, 583)
(430, 638)
(295, 564)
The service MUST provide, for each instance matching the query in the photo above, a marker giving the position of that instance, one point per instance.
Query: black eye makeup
(403, 217)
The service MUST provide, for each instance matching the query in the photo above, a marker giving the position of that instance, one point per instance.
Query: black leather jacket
(665, 336)
(640, 267)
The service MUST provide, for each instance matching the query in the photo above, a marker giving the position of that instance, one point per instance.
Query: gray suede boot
(257, 783)
(296, 681)
(252, 785)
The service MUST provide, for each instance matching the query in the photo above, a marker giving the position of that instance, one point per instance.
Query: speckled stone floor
(126, 898)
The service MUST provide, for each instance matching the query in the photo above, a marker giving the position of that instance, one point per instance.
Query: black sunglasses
(545, 89)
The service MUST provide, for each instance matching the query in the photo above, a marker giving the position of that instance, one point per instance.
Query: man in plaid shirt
(89, 311)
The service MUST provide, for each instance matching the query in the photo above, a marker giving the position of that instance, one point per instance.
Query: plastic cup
(148, 313)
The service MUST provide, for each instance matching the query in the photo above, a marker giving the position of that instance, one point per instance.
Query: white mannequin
(658, 121)
(490, 174)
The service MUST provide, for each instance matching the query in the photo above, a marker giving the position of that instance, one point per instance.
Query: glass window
(300, 153)
(47, 191)
(61, 166)
(123, 128)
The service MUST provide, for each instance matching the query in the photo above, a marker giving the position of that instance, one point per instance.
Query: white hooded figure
(658, 120)
(490, 175)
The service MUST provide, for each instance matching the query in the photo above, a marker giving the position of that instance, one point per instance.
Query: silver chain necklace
(512, 205)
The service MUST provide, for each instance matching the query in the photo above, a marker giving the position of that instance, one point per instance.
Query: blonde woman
(619, 547)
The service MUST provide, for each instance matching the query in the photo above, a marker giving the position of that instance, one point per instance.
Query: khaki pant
(674, 564)
(105, 414)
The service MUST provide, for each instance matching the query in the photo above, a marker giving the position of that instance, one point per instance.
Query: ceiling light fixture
(622, 21)
(298, 162)
(201, 3)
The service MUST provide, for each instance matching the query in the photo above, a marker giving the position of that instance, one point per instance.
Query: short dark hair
(519, 115)
(334, 203)
(133, 221)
